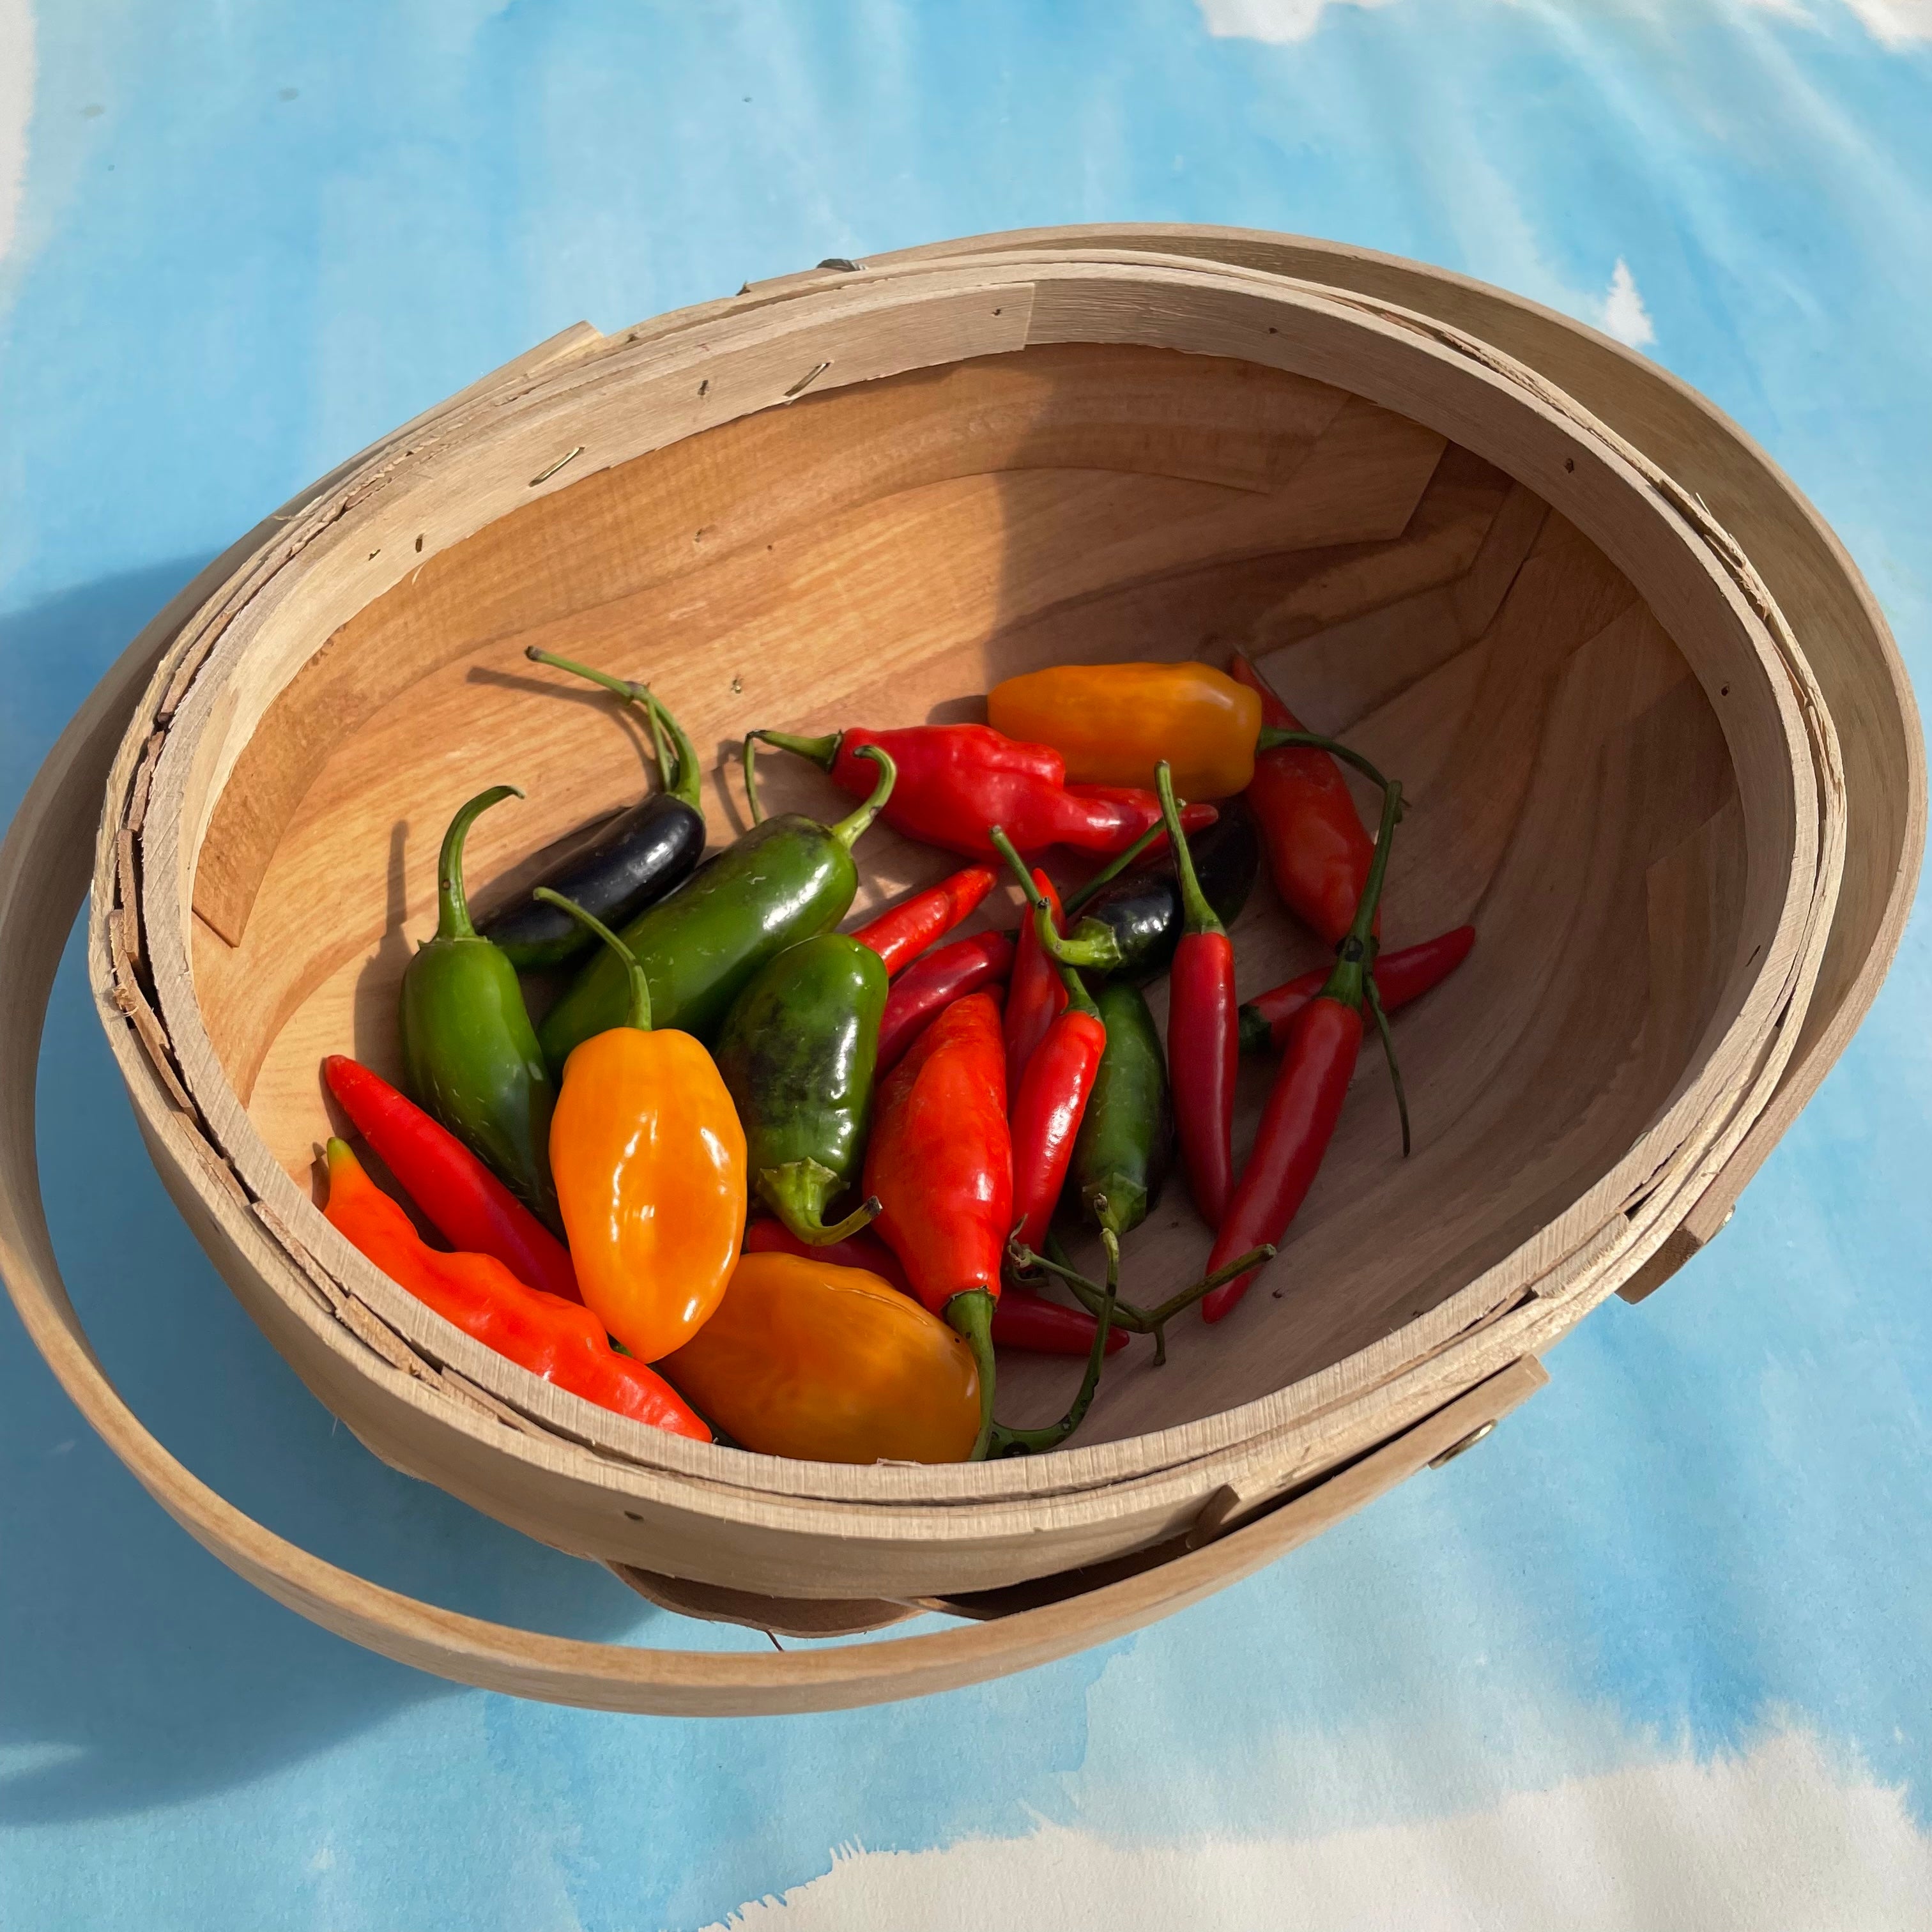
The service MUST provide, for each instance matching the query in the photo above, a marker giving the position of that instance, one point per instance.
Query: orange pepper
(558, 1339)
(1113, 723)
(832, 1364)
(648, 1159)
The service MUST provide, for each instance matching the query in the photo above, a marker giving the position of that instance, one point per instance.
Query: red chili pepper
(1318, 850)
(1036, 995)
(467, 1205)
(900, 936)
(956, 780)
(1204, 1033)
(941, 1161)
(1306, 1101)
(964, 967)
(1400, 977)
(1022, 1320)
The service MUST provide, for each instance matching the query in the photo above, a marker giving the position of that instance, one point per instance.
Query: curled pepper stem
(1201, 916)
(1353, 982)
(452, 905)
(678, 774)
(1273, 737)
(1031, 1441)
(1113, 868)
(851, 828)
(970, 1315)
(820, 750)
(639, 1012)
(748, 758)
(1090, 945)
(1375, 999)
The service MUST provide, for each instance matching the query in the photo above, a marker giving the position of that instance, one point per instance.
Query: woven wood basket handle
(44, 872)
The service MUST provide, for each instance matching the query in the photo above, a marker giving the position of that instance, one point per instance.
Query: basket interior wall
(869, 555)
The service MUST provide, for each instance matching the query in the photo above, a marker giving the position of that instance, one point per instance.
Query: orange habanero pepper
(648, 1159)
(805, 1358)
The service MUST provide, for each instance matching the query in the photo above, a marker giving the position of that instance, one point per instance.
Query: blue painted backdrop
(247, 239)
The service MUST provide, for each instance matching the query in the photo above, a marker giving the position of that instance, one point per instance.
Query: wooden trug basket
(1660, 747)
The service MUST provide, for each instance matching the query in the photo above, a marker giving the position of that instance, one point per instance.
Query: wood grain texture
(1668, 737)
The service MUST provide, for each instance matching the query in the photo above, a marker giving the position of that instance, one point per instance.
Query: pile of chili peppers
(906, 1113)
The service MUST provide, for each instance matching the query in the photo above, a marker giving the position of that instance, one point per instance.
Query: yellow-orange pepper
(648, 1159)
(1113, 723)
(831, 1364)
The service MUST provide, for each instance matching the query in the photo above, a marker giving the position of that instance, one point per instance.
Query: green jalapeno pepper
(470, 1056)
(787, 879)
(797, 1053)
(1127, 1139)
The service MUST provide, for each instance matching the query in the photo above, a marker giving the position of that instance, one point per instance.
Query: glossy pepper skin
(559, 1340)
(1035, 994)
(956, 780)
(1021, 1320)
(469, 1055)
(468, 1206)
(931, 984)
(1126, 1143)
(797, 1052)
(830, 1364)
(1402, 976)
(941, 1161)
(1318, 849)
(1113, 723)
(650, 1166)
(900, 936)
(644, 854)
(1305, 1102)
(1136, 920)
(787, 879)
(1204, 1036)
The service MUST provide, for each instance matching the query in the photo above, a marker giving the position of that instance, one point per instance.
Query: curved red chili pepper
(956, 780)
(1204, 1036)
(1400, 976)
(1022, 1319)
(1318, 849)
(466, 1204)
(941, 1161)
(1050, 1105)
(1035, 996)
(964, 967)
(1306, 1100)
(900, 936)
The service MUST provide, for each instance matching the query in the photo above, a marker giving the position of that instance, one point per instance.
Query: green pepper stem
(452, 905)
(1202, 917)
(1090, 946)
(638, 1015)
(820, 750)
(1112, 869)
(971, 1315)
(1031, 1441)
(748, 758)
(1347, 983)
(797, 1192)
(1374, 996)
(1273, 737)
(1078, 1000)
(851, 828)
(679, 775)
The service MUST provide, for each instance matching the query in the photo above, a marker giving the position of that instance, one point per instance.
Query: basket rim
(179, 686)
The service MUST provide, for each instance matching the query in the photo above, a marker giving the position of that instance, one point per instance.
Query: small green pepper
(1126, 1138)
(797, 1053)
(469, 1055)
(787, 879)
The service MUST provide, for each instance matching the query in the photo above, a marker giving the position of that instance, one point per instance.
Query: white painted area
(1895, 23)
(1624, 314)
(1783, 1838)
(1277, 22)
(16, 108)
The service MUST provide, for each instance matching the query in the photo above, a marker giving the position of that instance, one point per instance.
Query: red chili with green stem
(1400, 976)
(900, 936)
(930, 985)
(1310, 1087)
(1036, 995)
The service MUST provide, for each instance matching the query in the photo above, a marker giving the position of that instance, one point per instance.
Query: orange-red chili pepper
(1036, 994)
(806, 1358)
(561, 1341)
(1400, 976)
(927, 984)
(900, 936)
(941, 1165)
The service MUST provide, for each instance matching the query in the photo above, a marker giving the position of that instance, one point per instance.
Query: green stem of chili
(1200, 915)
(1031, 1441)
(971, 1315)
(1273, 737)
(678, 776)
(820, 750)
(452, 905)
(1112, 869)
(849, 829)
(638, 1014)
(1090, 946)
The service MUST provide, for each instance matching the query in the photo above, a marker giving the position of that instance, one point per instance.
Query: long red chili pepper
(1318, 850)
(964, 967)
(956, 780)
(1400, 976)
(1036, 995)
(1022, 1320)
(1306, 1101)
(900, 936)
(465, 1202)
(1204, 1035)
(941, 1161)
